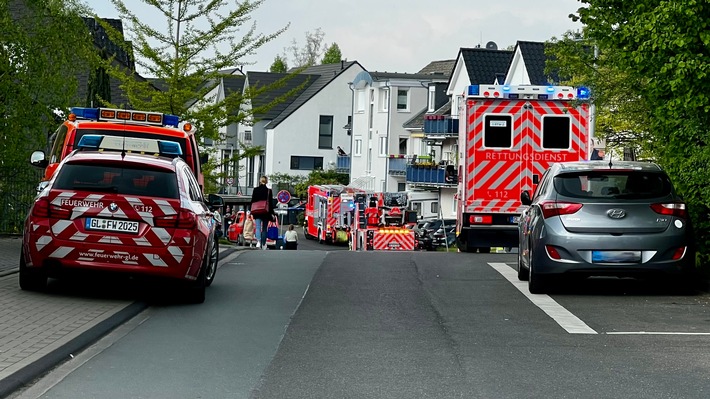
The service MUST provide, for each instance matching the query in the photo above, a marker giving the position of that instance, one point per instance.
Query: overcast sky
(396, 36)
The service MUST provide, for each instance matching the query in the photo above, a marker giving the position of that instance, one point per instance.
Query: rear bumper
(62, 257)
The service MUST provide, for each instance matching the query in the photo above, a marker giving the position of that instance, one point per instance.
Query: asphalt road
(338, 324)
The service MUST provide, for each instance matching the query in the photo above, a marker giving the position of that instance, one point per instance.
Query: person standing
(291, 238)
(262, 193)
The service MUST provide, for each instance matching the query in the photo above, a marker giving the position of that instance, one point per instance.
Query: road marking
(653, 333)
(571, 323)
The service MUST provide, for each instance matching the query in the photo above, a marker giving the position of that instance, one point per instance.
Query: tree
(308, 54)
(332, 55)
(44, 46)
(279, 65)
(317, 177)
(663, 46)
(189, 59)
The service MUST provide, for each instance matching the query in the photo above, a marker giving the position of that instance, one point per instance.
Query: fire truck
(328, 218)
(510, 135)
(381, 223)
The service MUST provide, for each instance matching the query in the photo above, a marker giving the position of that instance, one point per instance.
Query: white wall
(298, 134)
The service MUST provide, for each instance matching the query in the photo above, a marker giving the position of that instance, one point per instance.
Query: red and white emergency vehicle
(327, 217)
(381, 223)
(510, 135)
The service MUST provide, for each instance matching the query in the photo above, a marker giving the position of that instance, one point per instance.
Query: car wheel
(536, 284)
(31, 279)
(523, 273)
(212, 264)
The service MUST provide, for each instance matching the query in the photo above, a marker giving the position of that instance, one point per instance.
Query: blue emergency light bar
(123, 116)
(169, 148)
(583, 93)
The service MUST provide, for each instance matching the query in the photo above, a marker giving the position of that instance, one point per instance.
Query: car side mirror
(215, 201)
(525, 198)
(38, 159)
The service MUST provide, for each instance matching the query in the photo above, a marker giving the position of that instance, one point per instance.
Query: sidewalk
(39, 330)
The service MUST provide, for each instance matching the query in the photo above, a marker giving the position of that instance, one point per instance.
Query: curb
(29, 373)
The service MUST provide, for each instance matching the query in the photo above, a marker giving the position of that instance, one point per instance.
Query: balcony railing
(397, 165)
(441, 124)
(432, 174)
(342, 164)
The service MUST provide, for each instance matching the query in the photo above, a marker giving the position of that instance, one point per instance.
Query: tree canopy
(44, 46)
(662, 48)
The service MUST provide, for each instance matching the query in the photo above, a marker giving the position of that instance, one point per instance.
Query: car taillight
(554, 208)
(552, 252)
(677, 209)
(44, 209)
(184, 219)
(480, 219)
(679, 253)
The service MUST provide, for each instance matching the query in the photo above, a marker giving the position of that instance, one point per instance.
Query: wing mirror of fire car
(525, 198)
(215, 201)
(38, 159)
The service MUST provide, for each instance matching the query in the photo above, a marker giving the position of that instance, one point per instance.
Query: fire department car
(117, 122)
(510, 136)
(114, 206)
(327, 216)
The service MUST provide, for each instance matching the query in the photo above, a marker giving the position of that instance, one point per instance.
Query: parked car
(444, 237)
(121, 212)
(603, 219)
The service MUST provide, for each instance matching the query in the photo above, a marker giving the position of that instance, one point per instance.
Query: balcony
(397, 165)
(441, 125)
(428, 174)
(342, 164)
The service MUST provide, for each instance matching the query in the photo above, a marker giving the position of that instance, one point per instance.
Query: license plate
(514, 219)
(121, 226)
(393, 245)
(616, 256)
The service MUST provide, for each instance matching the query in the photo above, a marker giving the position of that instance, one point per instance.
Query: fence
(18, 188)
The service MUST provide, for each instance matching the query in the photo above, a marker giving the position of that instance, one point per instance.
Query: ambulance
(509, 137)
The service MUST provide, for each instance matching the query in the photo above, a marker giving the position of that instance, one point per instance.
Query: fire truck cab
(329, 213)
(510, 136)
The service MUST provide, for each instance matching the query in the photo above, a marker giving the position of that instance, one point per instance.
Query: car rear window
(99, 178)
(613, 184)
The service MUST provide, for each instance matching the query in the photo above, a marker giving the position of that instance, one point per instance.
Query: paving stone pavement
(39, 330)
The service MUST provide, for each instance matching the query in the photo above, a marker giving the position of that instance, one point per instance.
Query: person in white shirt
(291, 238)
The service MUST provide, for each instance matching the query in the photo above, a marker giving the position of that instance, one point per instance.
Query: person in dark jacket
(263, 193)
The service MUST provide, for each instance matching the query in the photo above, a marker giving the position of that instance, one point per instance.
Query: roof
(233, 83)
(444, 67)
(483, 64)
(605, 166)
(535, 59)
(321, 76)
(289, 82)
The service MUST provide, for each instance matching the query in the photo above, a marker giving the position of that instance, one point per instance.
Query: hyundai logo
(616, 213)
(113, 207)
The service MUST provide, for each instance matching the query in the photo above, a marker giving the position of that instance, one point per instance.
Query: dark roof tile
(483, 64)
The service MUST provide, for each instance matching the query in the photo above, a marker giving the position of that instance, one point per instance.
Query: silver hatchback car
(603, 219)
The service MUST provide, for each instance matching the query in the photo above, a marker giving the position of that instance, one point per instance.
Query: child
(248, 231)
(291, 238)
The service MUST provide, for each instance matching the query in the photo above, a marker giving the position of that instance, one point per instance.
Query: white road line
(653, 333)
(571, 323)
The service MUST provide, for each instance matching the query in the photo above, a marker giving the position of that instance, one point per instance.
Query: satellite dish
(491, 46)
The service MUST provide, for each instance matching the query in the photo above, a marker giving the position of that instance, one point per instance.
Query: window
(383, 145)
(431, 102)
(247, 136)
(403, 145)
(325, 132)
(358, 147)
(126, 181)
(401, 187)
(556, 132)
(361, 101)
(402, 100)
(306, 163)
(384, 100)
(498, 131)
(59, 137)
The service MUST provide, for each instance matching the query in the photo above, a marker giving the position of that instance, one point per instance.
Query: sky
(393, 36)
